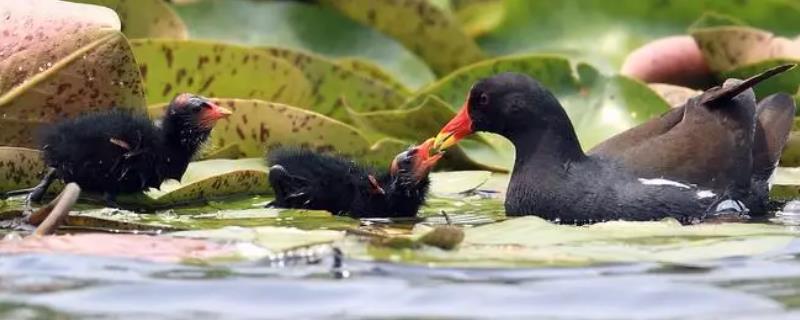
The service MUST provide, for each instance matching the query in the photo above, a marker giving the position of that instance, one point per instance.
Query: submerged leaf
(212, 69)
(61, 59)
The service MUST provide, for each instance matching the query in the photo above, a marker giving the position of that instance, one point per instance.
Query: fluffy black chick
(117, 151)
(304, 179)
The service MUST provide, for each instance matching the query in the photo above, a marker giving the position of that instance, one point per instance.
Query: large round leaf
(20, 168)
(145, 18)
(598, 106)
(603, 32)
(212, 69)
(422, 27)
(294, 24)
(57, 60)
(330, 83)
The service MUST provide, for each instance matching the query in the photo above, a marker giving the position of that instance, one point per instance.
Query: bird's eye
(483, 99)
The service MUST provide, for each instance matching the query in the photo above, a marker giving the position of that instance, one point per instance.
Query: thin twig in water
(50, 217)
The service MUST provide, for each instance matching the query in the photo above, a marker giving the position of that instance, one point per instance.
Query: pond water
(58, 286)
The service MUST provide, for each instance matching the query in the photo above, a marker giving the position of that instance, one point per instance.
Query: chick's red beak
(455, 130)
(423, 160)
(213, 113)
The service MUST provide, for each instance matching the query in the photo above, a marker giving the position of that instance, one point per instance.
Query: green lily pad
(298, 25)
(207, 180)
(531, 241)
(456, 182)
(330, 83)
(602, 32)
(62, 60)
(598, 106)
(212, 69)
(422, 27)
(145, 18)
(373, 71)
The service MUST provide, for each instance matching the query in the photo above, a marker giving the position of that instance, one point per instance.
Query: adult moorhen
(555, 179)
(305, 179)
(117, 151)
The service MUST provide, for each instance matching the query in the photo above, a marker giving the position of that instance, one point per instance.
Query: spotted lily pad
(217, 70)
(60, 59)
(20, 168)
(330, 83)
(598, 106)
(422, 27)
(145, 18)
(479, 17)
(373, 71)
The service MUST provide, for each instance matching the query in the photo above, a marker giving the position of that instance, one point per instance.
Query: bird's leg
(39, 190)
(110, 198)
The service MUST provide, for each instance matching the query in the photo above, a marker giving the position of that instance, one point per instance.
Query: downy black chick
(304, 179)
(117, 151)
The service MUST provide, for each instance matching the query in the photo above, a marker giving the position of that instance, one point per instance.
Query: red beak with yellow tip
(455, 130)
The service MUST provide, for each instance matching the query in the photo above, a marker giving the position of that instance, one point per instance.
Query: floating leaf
(145, 18)
(455, 182)
(785, 183)
(60, 59)
(207, 180)
(422, 27)
(598, 106)
(211, 69)
(330, 83)
(275, 239)
(294, 24)
(531, 241)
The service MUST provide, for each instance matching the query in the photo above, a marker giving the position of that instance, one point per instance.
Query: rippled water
(58, 286)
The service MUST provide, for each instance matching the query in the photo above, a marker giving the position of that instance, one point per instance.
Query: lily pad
(304, 26)
(479, 17)
(785, 183)
(330, 83)
(602, 33)
(61, 59)
(207, 180)
(531, 241)
(217, 70)
(275, 239)
(145, 18)
(598, 106)
(457, 182)
(422, 27)
(674, 95)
